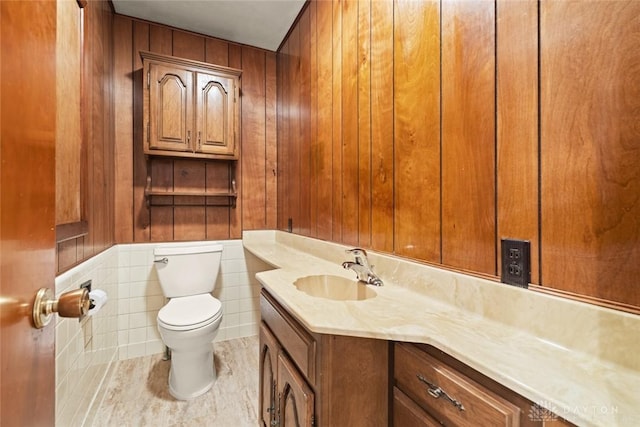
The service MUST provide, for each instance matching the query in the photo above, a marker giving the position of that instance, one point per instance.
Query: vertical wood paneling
(447, 168)
(160, 39)
(90, 80)
(324, 18)
(189, 221)
(218, 221)
(161, 217)
(68, 112)
(271, 141)
(188, 45)
(141, 213)
(235, 215)
(253, 139)
(417, 130)
(590, 152)
(123, 130)
(517, 125)
(304, 124)
(212, 221)
(295, 140)
(97, 159)
(336, 37)
(350, 160)
(313, 120)
(468, 136)
(364, 123)
(382, 125)
(283, 138)
(217, 52)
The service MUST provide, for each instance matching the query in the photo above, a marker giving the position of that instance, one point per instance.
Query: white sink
(334, 288)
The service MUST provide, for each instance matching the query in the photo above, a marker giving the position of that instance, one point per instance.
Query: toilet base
(192, 373)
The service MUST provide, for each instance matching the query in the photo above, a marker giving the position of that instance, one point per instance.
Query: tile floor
(137, 392)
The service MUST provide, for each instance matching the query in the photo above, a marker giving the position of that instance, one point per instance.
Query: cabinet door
(215, 114)
(296, 397)
(268, 374)
(170, 108)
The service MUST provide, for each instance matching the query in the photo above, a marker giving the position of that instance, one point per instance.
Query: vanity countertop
(578, 360)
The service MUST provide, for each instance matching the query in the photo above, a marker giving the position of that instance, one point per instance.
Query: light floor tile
(137, 393)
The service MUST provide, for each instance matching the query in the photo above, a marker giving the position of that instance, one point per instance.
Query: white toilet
(189, 322)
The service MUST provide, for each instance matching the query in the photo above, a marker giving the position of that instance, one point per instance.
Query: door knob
(70, 304)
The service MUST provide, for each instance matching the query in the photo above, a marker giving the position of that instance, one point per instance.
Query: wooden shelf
(231, 195)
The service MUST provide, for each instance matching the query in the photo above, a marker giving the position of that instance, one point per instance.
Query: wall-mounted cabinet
(191, 109)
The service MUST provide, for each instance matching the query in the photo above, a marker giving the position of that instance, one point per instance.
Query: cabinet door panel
(171, 108)
(269, 350)
(296, 397)
(215, 118)
(407, 413)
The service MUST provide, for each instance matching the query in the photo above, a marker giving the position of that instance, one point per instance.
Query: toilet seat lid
(190, 312)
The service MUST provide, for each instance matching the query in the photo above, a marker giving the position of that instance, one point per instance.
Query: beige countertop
(578, 360)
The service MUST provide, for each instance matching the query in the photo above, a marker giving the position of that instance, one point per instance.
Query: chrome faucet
(361, 267)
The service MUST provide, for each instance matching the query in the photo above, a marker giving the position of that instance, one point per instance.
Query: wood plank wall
(97, 155)
(433, 129)
(255, 173)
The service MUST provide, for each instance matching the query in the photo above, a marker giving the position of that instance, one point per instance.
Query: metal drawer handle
(164, 260)
(436, 392)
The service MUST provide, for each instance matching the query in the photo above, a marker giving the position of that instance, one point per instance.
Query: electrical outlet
(516, 262)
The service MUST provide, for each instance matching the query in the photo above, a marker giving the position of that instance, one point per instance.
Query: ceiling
(259, 23)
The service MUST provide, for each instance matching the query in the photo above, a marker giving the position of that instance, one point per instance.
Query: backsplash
(126, 326)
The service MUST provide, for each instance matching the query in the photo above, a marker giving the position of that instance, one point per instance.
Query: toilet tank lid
(182, 249)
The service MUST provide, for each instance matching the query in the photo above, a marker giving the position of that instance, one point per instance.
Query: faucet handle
(360, 256)
(356, 251)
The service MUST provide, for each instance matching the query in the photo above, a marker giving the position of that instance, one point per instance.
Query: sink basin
(334, 288)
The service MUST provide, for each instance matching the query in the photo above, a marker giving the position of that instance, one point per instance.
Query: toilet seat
(190, 312)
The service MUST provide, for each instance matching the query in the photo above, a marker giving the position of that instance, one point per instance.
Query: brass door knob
(70, 304)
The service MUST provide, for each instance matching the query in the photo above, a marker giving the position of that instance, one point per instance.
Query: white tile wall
(85, 349)
(126, 326)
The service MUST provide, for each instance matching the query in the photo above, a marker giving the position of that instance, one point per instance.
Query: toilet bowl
(189, 322)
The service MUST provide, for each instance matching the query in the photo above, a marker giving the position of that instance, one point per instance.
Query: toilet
(189, 321)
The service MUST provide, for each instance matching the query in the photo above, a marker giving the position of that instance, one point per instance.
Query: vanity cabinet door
(269, 350)
(296, 399)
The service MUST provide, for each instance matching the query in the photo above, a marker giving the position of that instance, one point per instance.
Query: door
(296, 397)
(170, 118)
(215, 111)
(268, 374)
(27, 208)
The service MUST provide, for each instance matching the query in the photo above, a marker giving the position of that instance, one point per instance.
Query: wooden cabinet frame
(190, 108)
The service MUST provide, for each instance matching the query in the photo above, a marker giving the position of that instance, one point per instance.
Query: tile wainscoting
(125, 327)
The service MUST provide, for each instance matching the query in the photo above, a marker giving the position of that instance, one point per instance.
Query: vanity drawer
(294, 338)
(446, 394)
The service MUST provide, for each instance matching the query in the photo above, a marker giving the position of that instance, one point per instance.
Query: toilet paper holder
(74, 304)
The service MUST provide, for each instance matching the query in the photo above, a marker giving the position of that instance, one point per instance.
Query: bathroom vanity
(318, 379)
(311, 379)
(431, 346)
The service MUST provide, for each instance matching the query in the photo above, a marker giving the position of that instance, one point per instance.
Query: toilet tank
(185, 270)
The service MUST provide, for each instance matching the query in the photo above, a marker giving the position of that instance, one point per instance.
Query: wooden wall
(97, 151)
(189, 218)
(433, 129)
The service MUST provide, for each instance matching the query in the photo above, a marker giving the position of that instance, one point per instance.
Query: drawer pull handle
(436, 392)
